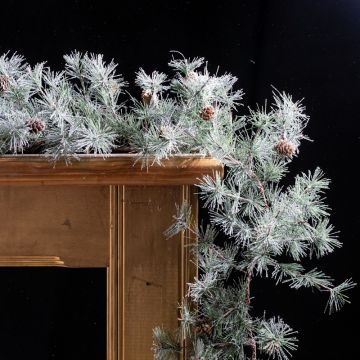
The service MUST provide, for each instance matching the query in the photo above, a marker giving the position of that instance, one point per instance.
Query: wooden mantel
(98, 170)
(116, 222)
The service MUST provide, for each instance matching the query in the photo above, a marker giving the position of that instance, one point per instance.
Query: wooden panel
(147, 272)
(114, 169)
(70, 226)
(152, 267)
(69, 222)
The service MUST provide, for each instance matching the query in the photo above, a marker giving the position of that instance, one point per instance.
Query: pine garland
(84, 109)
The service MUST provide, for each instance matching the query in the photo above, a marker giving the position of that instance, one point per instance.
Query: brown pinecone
(146, 96)
(207, 112)
(4, 83)
(203, 326)
(35, 125)
(285, 148)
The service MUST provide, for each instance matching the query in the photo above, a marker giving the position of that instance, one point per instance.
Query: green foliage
(83, 110)
(79, 106)
(276, 339)
(166, 345)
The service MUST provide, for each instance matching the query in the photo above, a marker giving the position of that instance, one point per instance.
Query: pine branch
(276, 339)
(166, 345)
(338, 298)
(80, 110)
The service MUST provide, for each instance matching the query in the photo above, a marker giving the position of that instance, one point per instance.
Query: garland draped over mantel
(269, 228)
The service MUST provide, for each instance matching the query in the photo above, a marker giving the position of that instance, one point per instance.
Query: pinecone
(285, 148)
(146, 96)
(35, 125)
(166, 132)
(4, 83)
(114, 86)
(207, 112)
(162, 133)
(203, 326)
(191, 75)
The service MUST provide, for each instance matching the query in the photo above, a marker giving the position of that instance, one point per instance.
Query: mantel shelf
(111, 170)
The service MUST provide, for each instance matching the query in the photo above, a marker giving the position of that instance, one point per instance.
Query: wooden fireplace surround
(106, 213)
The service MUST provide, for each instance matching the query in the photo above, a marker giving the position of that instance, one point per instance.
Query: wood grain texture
(69, 222)
(152, 267)
(119, 227)
(148, 273)
(114, 169)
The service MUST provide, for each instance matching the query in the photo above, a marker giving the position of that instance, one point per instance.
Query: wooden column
(148, 273)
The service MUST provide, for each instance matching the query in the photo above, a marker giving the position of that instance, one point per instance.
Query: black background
(52, 314)
(309, 48)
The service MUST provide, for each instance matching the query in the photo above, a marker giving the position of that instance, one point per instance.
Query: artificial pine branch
(82, 109)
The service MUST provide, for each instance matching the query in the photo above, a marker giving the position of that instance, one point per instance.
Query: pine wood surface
(119, 227)
(96, 170)
(69, 222)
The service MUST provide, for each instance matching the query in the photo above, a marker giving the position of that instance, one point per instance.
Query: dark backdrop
(310, 48)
